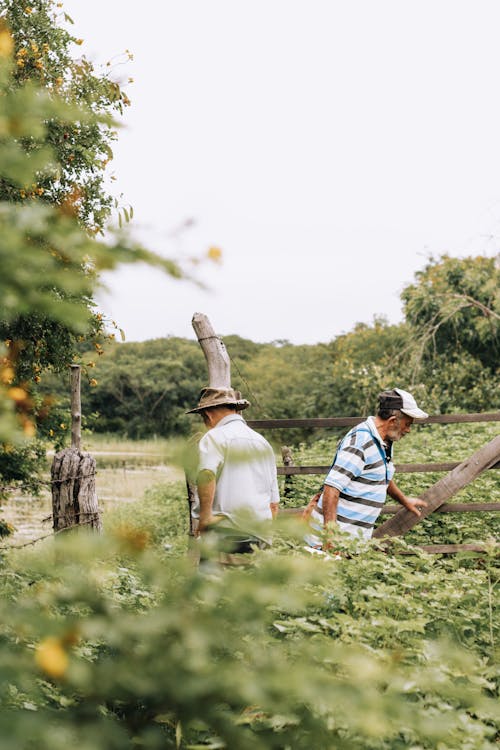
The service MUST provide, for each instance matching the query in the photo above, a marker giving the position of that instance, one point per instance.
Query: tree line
(446, 351)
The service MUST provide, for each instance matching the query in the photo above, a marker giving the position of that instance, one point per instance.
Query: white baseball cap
(409, 406)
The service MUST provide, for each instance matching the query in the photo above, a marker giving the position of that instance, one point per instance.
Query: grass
(110, 443)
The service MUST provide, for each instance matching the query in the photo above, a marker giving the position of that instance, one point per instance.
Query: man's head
(216, 403)
(396, 411)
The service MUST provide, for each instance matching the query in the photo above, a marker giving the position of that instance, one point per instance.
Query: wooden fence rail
(400, 468)
(260, 424)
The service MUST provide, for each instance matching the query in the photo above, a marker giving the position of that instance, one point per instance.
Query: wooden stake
(218, 363)
(74, 497)
(443, 490)
(76, 407)
(286, 455)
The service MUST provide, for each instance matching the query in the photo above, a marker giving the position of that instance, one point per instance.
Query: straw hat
(219, 397)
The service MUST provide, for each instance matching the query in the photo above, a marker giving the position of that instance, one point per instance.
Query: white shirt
(244, 466)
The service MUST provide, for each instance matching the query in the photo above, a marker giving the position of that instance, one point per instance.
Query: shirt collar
(230, 418)
(376, 434)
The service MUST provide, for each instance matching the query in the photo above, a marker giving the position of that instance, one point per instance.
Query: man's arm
(206, 492)
(330, 503)
(413, 504)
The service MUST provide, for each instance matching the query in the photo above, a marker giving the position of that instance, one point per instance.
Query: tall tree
(453, 316)
(454, 307)
(55, 135)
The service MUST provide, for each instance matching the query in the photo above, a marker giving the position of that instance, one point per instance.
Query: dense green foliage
(119, 642)
(453, 316)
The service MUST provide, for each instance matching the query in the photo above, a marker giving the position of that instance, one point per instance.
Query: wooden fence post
(218, 363)
(442, 490)
(74, 497)
(286, 455)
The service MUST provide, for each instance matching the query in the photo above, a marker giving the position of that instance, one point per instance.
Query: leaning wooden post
(218, 363)
(442, 490)
(74, 497)
(219, 376)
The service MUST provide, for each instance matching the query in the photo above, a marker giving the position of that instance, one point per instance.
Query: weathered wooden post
(219, 376)
(218, 363)
(74, 497)
(286, 455)
(443, 490)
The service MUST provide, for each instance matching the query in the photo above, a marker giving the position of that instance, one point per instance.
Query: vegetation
(119, 642)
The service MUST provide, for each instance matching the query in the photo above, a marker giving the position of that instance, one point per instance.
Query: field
(118, 642)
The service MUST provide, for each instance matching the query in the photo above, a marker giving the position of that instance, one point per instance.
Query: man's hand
(413, 504)
(207, 521)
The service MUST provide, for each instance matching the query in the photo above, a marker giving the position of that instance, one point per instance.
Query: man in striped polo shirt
(361, 475)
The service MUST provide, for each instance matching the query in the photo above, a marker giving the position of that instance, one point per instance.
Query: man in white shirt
(237, 468)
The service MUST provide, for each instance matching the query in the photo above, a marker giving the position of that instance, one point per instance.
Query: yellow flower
(92, 382)
(51, 657)
(7, 375)
(29, 429)
(59, 81)
(62, 426)
(215, 254)
(79, 41)
(28, 10)
(6, 43)
(17, 394)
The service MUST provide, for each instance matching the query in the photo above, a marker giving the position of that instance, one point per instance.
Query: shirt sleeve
(348, 465)
(275, 493)
(211, 454)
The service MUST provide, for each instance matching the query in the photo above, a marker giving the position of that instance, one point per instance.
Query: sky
(328, 148)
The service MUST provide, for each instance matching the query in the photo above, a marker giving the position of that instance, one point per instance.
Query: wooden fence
(291, 470)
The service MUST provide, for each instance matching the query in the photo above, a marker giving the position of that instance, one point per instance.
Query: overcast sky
(326, 147)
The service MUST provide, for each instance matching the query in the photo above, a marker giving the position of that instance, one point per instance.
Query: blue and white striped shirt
(361, 471)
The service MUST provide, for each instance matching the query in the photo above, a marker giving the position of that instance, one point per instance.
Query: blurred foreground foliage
(117, 642)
